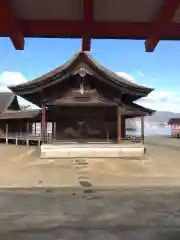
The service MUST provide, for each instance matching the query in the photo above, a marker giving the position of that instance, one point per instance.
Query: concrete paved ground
(121, 213)
(21, 167)
(91, 198)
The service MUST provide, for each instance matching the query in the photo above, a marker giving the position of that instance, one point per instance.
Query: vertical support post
(27, 131)
(118, 125)
(46, 131)
(35, 128)
(27, 127)
(123, 127)
(43, 123)
(52, 130)
(6, 133)
(142, 130)
(107, 132)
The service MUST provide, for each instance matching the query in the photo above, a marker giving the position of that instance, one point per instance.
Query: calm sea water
(150, 131)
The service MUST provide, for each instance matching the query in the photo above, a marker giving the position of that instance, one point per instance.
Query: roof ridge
(117, 77)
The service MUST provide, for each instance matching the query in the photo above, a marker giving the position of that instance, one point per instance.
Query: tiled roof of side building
(8, 100)
(173, 121)
(22, 114)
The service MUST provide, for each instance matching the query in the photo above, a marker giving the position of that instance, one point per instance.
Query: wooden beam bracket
(11, 24)
(161, 23)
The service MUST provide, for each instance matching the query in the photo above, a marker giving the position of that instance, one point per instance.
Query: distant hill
(161, 117)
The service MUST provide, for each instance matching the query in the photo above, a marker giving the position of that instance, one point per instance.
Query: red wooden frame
(9, 21)
(87, 19)
(161, 28)
(162, 21)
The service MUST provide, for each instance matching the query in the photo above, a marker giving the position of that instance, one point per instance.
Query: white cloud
(13, 78)
(126, 76)
(158, 100)
(140, 73)
(162, 96)
(162, 101)
(4, 89)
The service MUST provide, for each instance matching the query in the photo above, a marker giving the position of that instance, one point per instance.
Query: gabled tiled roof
(8, 100)
(65, 70)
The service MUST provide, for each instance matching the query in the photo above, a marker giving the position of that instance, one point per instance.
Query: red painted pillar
(43, 123)
(86, 44)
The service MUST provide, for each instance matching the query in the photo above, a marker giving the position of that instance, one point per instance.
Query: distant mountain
(159, 116)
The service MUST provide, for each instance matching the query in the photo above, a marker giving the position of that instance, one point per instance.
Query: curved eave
(138, 110)
(45, 79)
(66, 69)
(147, 111)
(141, 91)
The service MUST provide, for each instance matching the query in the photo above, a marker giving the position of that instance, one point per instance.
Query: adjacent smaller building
(15, 123)
(175, 127)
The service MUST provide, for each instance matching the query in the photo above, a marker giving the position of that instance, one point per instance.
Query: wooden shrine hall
(85, 102)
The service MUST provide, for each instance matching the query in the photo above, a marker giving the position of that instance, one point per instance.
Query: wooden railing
(135, 139)
(20, 136)
(132, 138)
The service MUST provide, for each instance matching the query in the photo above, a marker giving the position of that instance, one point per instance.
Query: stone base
(92, 151)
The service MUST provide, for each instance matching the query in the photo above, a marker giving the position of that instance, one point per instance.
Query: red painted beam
(87, 19)
(11, 25)
(75, 29)
(161, 22)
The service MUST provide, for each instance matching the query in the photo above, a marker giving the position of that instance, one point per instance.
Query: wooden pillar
(118, 125)
(35, 128)
(52, 129)
(27, 141)
(6, 133)
(86, 44)
(46, 129)
(142, 130)
(123, 127)
(27, 127)
(43, 122)
(107, 131)
(54, 134)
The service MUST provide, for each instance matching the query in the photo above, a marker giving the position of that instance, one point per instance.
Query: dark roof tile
(47, 79)
(8, 100)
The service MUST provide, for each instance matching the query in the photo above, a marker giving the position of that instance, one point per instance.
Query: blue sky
(159, 70)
